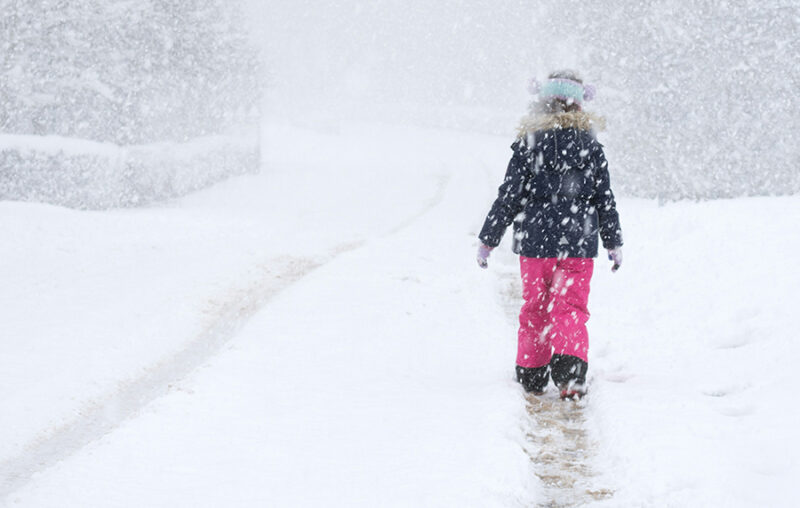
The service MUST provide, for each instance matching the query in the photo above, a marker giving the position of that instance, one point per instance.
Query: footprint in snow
(737, 411)
(725, 390)
(735, 341)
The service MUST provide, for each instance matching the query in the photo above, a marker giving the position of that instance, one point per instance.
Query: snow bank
(694, 356)
(85, 174)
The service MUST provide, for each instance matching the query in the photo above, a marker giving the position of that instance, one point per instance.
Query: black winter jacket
(556, 192)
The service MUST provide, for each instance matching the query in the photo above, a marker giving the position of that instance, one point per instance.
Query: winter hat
(564, 85)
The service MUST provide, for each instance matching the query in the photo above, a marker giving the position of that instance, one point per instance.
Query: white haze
(700, 101)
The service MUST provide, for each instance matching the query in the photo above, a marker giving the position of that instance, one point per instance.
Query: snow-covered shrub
(86, 174)
(701, 97)
(702, 100)
(129, 73)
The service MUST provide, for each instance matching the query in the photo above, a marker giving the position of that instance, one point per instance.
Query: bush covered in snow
(145, 73)
(700, 97)
(87, 174)
(702, 100)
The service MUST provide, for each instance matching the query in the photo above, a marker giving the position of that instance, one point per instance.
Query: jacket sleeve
(510, 198)
(604, 203)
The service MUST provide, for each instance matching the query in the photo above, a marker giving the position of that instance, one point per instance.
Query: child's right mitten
(483, 255)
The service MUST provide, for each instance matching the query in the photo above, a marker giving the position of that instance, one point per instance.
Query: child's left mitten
(615, 255)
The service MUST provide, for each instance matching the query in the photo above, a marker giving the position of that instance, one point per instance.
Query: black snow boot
(533, 379)
(569, 374)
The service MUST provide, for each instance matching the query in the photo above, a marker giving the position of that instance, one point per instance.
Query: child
(557, 193)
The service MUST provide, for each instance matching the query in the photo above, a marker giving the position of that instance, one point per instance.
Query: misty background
(700, 99)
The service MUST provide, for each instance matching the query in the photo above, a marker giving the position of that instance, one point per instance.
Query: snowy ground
(319, 334)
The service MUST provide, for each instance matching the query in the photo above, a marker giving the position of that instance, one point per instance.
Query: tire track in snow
(102, 415)
(556, 439)
(442, 181)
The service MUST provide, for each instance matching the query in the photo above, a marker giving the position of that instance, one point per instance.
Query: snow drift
(133, 101)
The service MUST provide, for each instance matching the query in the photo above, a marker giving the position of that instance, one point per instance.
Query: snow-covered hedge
(152, 87)
(702, 101)
(91, 175)
(701, 97)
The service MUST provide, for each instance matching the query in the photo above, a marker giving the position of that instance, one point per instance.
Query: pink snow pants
(554, 315)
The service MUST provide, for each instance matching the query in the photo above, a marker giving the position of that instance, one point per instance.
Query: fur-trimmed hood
(574, 119)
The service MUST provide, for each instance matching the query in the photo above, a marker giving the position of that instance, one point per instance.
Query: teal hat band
(565, 89)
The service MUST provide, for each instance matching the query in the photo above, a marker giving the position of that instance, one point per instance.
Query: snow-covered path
(347, 358)
(320, 335)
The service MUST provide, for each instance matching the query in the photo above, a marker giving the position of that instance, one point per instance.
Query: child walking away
(557, 194)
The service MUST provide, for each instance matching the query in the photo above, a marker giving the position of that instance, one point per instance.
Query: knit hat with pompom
(566, 85)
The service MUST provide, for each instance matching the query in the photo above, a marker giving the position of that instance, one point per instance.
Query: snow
(320, 334)
(699, 354)
(207, 247)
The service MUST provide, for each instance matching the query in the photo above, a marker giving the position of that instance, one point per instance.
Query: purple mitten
(615, 255)
(483, 255)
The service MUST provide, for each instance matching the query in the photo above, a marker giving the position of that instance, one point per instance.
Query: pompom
(534, 86)
(589, 92)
